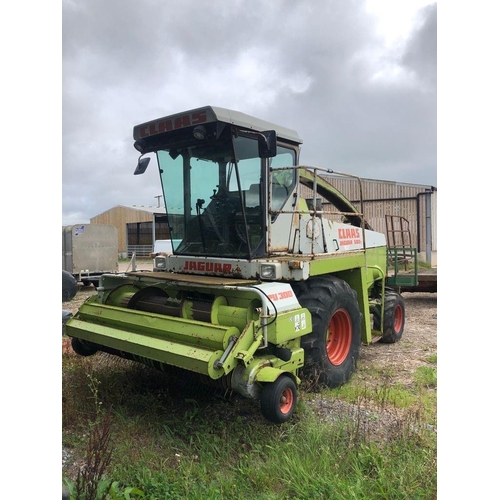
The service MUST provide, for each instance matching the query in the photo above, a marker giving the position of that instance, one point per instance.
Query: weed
(426, 376)
(431, 359)
(92, 482)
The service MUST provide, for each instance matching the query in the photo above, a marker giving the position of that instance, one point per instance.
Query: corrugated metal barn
(377, 199)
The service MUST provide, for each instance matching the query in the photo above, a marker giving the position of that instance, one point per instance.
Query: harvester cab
(274, 275)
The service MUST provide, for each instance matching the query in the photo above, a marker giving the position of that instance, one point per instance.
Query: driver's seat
(252, 196)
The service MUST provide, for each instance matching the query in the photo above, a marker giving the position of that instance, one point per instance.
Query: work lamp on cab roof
(200, 132)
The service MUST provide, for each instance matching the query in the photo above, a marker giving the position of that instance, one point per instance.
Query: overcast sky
(355, 79)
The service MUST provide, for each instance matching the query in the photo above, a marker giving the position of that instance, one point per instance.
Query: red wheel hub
(339, 337)
(398, 319)
(286, 401)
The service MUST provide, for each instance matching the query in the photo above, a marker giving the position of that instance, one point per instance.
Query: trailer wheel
(82, 347)
(69, 286)
(278, 399)
(394, 317)
(332, 348)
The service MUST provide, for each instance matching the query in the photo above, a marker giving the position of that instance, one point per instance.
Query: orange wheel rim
(286, 400)
(398, 318)
(339, 337)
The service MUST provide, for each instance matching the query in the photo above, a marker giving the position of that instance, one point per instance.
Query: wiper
(199, 205)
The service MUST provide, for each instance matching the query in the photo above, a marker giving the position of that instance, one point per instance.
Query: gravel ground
(398, 363)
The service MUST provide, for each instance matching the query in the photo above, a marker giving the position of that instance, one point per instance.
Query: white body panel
(281, 295)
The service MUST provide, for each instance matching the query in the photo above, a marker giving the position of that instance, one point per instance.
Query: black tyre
(394, 317)
(278, 399)
(332, 349)
(83, 348)
(69, 286)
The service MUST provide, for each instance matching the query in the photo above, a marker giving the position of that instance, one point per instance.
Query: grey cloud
(421, 54)
(126, 62)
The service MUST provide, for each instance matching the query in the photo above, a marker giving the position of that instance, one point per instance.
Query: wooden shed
(136, 231)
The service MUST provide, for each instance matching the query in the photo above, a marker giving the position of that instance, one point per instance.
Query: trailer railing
(402, 267)
(139, 250)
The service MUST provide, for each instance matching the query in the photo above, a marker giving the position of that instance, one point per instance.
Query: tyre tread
(392, 300)
(317, 295)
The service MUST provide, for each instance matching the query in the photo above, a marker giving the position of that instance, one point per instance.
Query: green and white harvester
(274, 276)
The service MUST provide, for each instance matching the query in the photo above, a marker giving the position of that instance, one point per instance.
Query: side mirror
(267, 144)
(142, 165)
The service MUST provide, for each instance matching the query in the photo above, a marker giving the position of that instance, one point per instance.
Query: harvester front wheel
(332, 348)
(278, 399)
(394, 317)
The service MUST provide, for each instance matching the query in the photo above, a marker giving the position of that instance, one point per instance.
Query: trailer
(89, 250)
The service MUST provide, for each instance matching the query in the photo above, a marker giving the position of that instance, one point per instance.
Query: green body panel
(185, 343)
(328, 264)
(197, 359)
(361, 270)
(158, 325)
(357, 280)
(284, 328)
(208, 348)
(267, 368)
(374, 260)
(277, 366)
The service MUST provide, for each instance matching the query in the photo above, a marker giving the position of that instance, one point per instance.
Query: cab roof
(209, 114)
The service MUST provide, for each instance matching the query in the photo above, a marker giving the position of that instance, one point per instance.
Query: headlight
(268, 271)
(160, 262)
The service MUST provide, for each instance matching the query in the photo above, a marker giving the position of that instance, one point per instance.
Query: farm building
(406, 213)
(136, 231)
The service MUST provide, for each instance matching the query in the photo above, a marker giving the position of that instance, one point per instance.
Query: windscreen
(214, 192)
(212, 196)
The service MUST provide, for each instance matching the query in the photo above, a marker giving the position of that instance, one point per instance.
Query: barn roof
(141, 208)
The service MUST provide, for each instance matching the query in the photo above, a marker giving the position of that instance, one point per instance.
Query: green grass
(432, 359)
(169, 440)
(426, 376)
(421, 264)
(424, 265)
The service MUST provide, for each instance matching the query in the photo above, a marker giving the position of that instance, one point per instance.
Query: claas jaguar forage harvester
(274, 276)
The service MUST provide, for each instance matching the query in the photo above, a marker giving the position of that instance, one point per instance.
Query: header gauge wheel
(278, 399)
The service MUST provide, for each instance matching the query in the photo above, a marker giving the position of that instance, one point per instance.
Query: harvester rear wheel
(394, 317)
(332, 348)
(278, 399)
